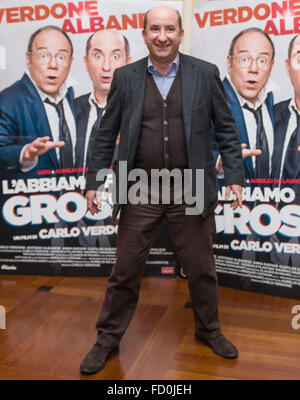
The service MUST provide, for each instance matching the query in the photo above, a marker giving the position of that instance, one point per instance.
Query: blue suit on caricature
(23, 119)
(238, 116)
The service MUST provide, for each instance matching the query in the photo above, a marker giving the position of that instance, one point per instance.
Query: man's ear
(287, 66)
(181, 36)
(85, 63)
(28, 59)
(228, 62)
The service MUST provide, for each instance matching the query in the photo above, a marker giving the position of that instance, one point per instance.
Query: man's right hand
(94, 200)
(38, 147)
(245, 153)
(248, 152)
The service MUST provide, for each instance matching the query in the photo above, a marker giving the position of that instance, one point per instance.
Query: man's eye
(61, 57)
(115, 56)
(244, 59)
(98, 56)
(43, 55)
(262, 60)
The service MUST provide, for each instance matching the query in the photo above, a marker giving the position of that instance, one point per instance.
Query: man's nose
(162, 35)
(52, 62)
(106, 64)
(253, 66)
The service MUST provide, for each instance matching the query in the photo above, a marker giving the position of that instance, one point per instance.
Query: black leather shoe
(96, 358)
(220, 346)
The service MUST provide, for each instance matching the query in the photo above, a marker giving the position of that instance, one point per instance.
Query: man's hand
(248, 152)
(245, 153)
(237, 190)
(94, 200)
(299, 148)
(38, 147)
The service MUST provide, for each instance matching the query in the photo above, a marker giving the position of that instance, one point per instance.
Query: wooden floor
(48, 332)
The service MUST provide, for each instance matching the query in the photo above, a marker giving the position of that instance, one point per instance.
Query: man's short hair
(45, 28)
(235, 39)
(291, 45)
(178, 14)
(126, 44)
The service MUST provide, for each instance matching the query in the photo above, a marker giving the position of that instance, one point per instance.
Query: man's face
(50, 61)
(162, 35)
(106, 53)
(293, 66)
(249, 81)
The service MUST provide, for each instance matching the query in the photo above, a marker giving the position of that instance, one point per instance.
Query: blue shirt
(164, 82)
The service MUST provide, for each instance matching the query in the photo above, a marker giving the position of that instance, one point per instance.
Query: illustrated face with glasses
(250, 65)
(106, 53)
(293, 67)
(49, 61)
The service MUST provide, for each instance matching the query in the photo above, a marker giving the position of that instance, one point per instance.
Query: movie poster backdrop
(258, 246)
(45, 226)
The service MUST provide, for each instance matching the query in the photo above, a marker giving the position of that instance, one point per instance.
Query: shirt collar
(63, 90)
(93, 101)
(173, 67)
(262, 96)
(293, 107)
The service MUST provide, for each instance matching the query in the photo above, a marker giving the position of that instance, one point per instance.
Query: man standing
(37, 115)
(162, 105)
(106, 50)
(286, 156)
(250, 98)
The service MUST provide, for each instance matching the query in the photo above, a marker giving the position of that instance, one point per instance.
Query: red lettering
(96, 24)
(80, 29)
(1, 13)
(26, 13)
(201, 22)
(266, 9)
(41, 12)
(73, 9)
(283, 31)
(270, 28)
(297, 25)
(91, 8)
(230, 15)
(276, 9)
(113, 23)
(294, 7)
(56, 7)
(12, 14)
(247, 11)
(68, 26)
(215, 17)
(127, 21)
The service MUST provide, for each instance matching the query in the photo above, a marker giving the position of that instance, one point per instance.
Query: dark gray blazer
(204, 105)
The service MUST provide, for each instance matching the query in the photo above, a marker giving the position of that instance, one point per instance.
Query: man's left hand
(237, 190)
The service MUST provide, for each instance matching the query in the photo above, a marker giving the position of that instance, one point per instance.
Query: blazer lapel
(279, 136)
(238, 116)
(188, 85)
(39, 116)
(81, 130)
(138, 89)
